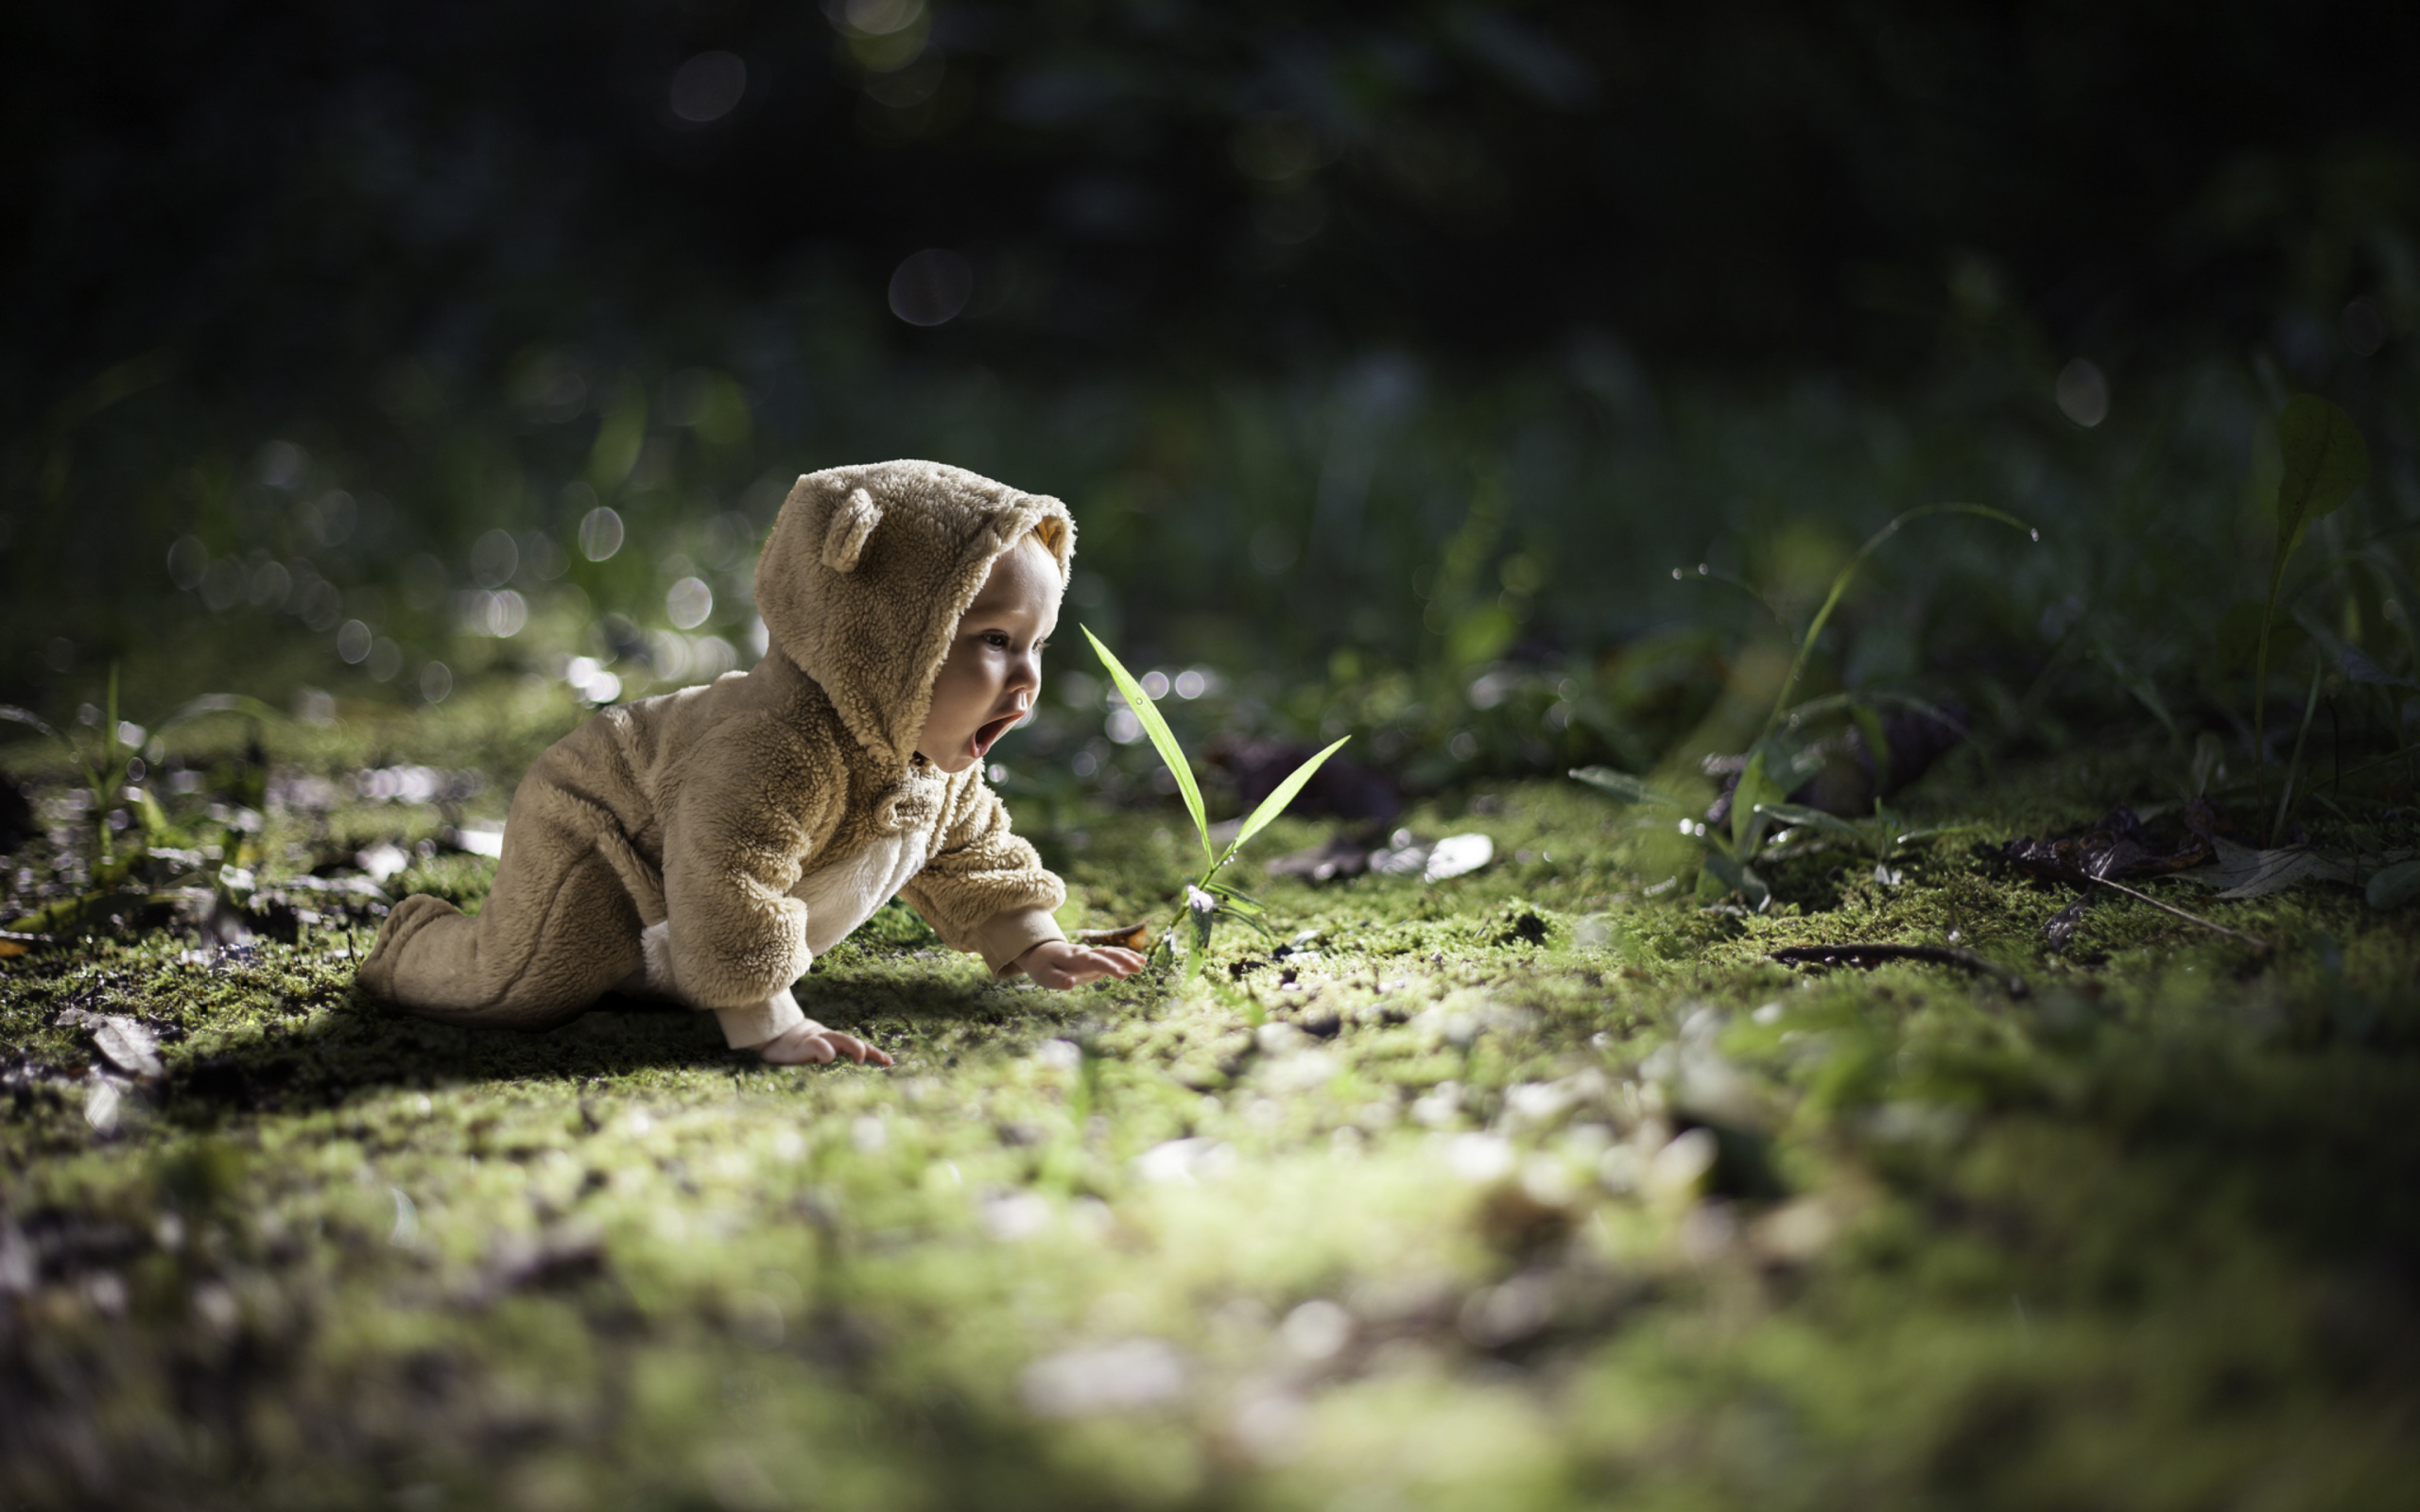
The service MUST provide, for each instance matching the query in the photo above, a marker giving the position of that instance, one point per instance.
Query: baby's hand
(1055, 963)
(812, 1044)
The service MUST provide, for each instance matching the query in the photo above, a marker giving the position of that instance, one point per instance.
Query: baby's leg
(558, 931)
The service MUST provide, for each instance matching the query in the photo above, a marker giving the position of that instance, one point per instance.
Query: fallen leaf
(2061, 928)
(382, 860)
(1458, 856)
(123, 1042)
(2117, 845)
(2241, 872)
(1131, 938)
(1403, 854)
(9, 947)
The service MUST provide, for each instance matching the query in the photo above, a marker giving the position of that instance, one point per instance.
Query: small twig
(15, 937)
(2253, 940)
(1875, 955)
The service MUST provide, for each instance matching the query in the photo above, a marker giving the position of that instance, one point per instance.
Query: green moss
(2138, 1240)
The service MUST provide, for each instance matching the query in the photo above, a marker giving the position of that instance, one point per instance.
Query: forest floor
(1537, 1186)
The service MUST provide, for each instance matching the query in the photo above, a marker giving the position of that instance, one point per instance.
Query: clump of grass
(1729, 852)
(2325, 461)
(115, 781)
(1213, 896)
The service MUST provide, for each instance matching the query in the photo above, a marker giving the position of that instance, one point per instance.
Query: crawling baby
(705, 845)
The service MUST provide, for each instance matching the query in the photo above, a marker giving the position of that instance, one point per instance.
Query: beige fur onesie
(705, 845)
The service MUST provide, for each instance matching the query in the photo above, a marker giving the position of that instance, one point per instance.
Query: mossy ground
(1533, 1188)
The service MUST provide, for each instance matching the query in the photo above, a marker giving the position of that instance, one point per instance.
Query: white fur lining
(841, 896)
(655, 943)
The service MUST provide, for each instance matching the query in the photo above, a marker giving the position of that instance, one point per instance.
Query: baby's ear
(845, 539)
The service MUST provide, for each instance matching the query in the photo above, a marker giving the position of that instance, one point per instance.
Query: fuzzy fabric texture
(704, 844)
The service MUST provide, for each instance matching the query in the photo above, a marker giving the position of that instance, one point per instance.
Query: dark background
(1269, 294)
(288, 196)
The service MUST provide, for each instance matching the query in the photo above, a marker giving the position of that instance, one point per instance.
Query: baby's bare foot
(812, 1044)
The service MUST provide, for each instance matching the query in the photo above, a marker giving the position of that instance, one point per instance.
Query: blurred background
(1503, 384)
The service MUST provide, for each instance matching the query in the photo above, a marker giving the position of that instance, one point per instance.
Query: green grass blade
(220, 703)
(2294, 768)
(1848, 574)
(1163, 739)
(1275, 802)
(1811, 818)
(15, 716)
(114, 757)
(1623, 787)
(1756, 791)
(2325, 461)
(1933, 832)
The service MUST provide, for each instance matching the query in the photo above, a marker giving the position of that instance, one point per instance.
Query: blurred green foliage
(1439, 374)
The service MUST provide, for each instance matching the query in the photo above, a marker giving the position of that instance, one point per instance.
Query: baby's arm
(984, 889)
(735, 940)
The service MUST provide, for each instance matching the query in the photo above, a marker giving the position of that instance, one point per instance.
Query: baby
(703, 845)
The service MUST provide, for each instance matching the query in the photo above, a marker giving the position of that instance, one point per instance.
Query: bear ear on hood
(845, 539)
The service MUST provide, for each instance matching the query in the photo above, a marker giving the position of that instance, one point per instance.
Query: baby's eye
(998, 638)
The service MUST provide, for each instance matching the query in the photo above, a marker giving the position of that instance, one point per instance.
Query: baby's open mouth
(993, 730)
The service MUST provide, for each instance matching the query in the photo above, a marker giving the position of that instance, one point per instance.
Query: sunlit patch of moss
(1535, 1187)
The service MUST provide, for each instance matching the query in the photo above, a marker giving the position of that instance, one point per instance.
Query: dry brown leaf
(1131, 938)
(2241, 872)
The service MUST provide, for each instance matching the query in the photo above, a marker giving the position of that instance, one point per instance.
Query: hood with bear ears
(867, 572)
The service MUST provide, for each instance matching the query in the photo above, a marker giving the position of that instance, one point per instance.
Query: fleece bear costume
(705, 845)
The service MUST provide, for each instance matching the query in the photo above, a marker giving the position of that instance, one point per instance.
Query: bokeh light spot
(931, 288)
(2083, 393)
(271, 584)
(591, 680)
(601, 534)
(281, 464)
(495, 558)
(507, 613)
(688, 602)
(187, 560)
(708, 87)
(879, 18)
(224, 584)
(322, 606)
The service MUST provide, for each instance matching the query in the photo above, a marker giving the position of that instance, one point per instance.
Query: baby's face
(994, 670)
